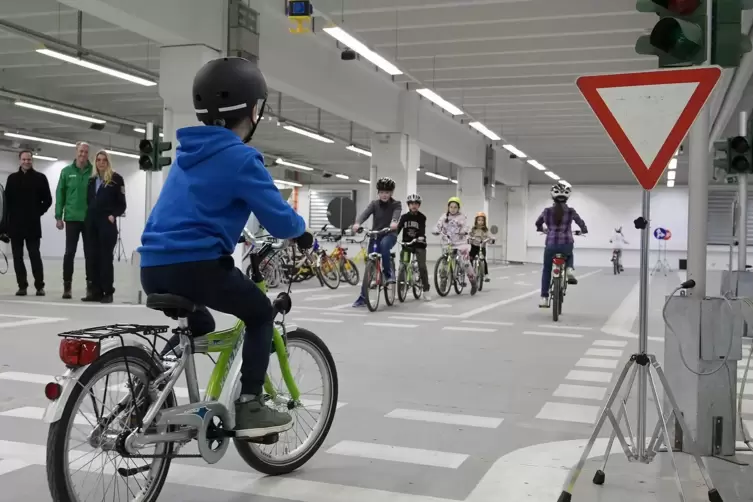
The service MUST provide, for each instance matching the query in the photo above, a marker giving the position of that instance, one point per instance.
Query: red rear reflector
(75, 352)
(559, 261)
(52, 391)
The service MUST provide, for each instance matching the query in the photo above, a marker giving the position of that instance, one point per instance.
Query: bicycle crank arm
(143, 440)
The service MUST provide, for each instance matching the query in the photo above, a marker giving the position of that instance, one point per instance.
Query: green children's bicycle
(408, 275)
(134, 426)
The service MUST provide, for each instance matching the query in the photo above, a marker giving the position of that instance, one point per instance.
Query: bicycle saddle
(172, 306)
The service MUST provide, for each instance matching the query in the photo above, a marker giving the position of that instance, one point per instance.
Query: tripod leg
(567, 492)
(659, 410)
(600, 474)
(713, 492)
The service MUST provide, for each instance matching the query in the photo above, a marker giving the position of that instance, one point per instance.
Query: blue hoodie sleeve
(256, 187)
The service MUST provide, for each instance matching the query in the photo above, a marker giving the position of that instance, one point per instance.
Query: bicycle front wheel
(458, 283)
(86, 467)
(402, 283)
(329, 273)
(370, 286)
(312, 417)
(349, 272)
(442, 279)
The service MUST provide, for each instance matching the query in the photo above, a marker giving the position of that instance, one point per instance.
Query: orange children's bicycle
(347, 267)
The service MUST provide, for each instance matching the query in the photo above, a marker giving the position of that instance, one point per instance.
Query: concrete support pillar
(471, 191)
(397, 156)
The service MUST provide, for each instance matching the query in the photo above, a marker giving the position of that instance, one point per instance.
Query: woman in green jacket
(70, 213)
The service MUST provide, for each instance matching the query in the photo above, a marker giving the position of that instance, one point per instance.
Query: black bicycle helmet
(229, 88)
(385, 185)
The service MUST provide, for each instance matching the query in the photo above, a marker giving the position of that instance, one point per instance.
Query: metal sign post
(625, 104)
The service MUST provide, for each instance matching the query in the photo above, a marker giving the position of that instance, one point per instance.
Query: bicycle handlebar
(417, 239)
(373, 233)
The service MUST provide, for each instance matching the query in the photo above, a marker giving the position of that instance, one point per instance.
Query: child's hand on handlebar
(305, 240)
(393, 225)
(356, 227)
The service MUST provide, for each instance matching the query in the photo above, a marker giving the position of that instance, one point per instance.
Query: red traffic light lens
(682, 7)
(739, 144)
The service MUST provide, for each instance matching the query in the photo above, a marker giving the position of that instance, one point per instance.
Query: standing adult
(70, 213)
(106, 201)
(28, 197)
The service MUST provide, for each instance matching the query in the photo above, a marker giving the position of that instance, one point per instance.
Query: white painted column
(471, 191)
(397, 156)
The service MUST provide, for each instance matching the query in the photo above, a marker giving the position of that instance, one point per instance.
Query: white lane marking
(604, 352)
(501, 303)
(587, 362)
(439, 305)
(344, 314)
(312, 319)
(502, 277)
(589, 376)
(391, 453)
(610, 343)
(520, 275)
(316, 298)
(445, 418)
(490, 323)
(180, 392)
(36, 413)
(390, 325)
(565, 326)
(44, 303)
(564, 412)
(621, 321)
(748, 389)
(558, 335)
(580, 392)
(26, 320)
(466, 328)
(8, 465)
(407, 317)
(521, 283)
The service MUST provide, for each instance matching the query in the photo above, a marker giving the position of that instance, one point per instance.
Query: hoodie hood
(199, 143)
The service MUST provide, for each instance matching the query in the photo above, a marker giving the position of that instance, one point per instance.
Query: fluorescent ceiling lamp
(354, 148)
(141, 130)
(342, 176)
(62, 113)
(514, 151)
(435, 175)
(372, 57)
(454, 181)
(365, 182)
(439, 101)
(308, 134)
(44, 157)
(288, 183)
(485, 131)
(122, 154)
(537, 165)
(97, 67)
(552, 175)
(670, 183)
(284, 162)
(41, 140)
(671, 175)
(673, 164)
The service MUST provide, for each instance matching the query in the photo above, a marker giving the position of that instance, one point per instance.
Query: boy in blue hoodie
(213, 187)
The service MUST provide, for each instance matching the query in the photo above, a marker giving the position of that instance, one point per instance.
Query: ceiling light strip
(37, 138)
(288, 183)
(365, 182)
(97, 67)
(440, 101)
(359, 47)
(342, 176)
(44, 157)
(141, 130)
(536, 164)
(361, 151)
(552, 175)
(62, 113)
(514, 151)
(435, 175)
(283, 162)
(308, 134)
(485, 131)
(122, 154)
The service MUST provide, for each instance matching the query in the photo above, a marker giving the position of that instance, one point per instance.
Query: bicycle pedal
(268, 439)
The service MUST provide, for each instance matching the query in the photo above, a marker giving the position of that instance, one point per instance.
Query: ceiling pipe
(733, 96)
(78, 49)
(68, 108)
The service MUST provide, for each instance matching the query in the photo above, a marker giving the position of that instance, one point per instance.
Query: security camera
(348, 55)
(513, 156)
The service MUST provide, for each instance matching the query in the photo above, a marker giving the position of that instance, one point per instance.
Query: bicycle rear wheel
(442, 279)
(556, 299)
(389, 288)
(111, 419)
(349, 272)
(329, 272)
(316, 414)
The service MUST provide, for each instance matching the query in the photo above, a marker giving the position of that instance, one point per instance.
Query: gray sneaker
(254, 419)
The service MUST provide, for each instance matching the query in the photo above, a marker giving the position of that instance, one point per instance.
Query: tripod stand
(661, 261)
(119, 248)
(641, 364)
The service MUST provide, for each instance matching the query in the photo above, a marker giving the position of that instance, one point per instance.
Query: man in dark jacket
(28, 197)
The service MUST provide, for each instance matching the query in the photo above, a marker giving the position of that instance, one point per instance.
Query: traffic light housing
(679, 37)
(728, 43)
(151, 150)
(734, 155)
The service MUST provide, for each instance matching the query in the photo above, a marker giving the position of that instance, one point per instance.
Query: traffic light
(679, 37)
(728, 44)
(734, 155)
(151, 150)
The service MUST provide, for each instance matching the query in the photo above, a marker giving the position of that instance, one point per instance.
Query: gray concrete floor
(525, 392)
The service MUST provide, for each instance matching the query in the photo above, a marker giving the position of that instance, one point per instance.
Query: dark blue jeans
(384, 243)
(549, 252)
(218, 285)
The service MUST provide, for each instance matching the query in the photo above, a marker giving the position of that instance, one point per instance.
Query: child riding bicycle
(454, 226)
(385, 213)
(413, 226)
(618, 241)
(480, 235)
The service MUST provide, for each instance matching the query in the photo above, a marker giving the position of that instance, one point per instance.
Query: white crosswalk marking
(16, 321)
(398, 454)
(445, 418)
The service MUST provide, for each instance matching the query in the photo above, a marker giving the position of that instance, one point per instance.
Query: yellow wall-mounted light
(300, 11)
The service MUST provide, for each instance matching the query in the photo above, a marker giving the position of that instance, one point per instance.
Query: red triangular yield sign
(648, 114)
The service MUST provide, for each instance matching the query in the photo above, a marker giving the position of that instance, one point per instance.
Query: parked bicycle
(408, 274)
(316, 263)
(374, 279)
(147, 428)
(449, 271)
(346, 267)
